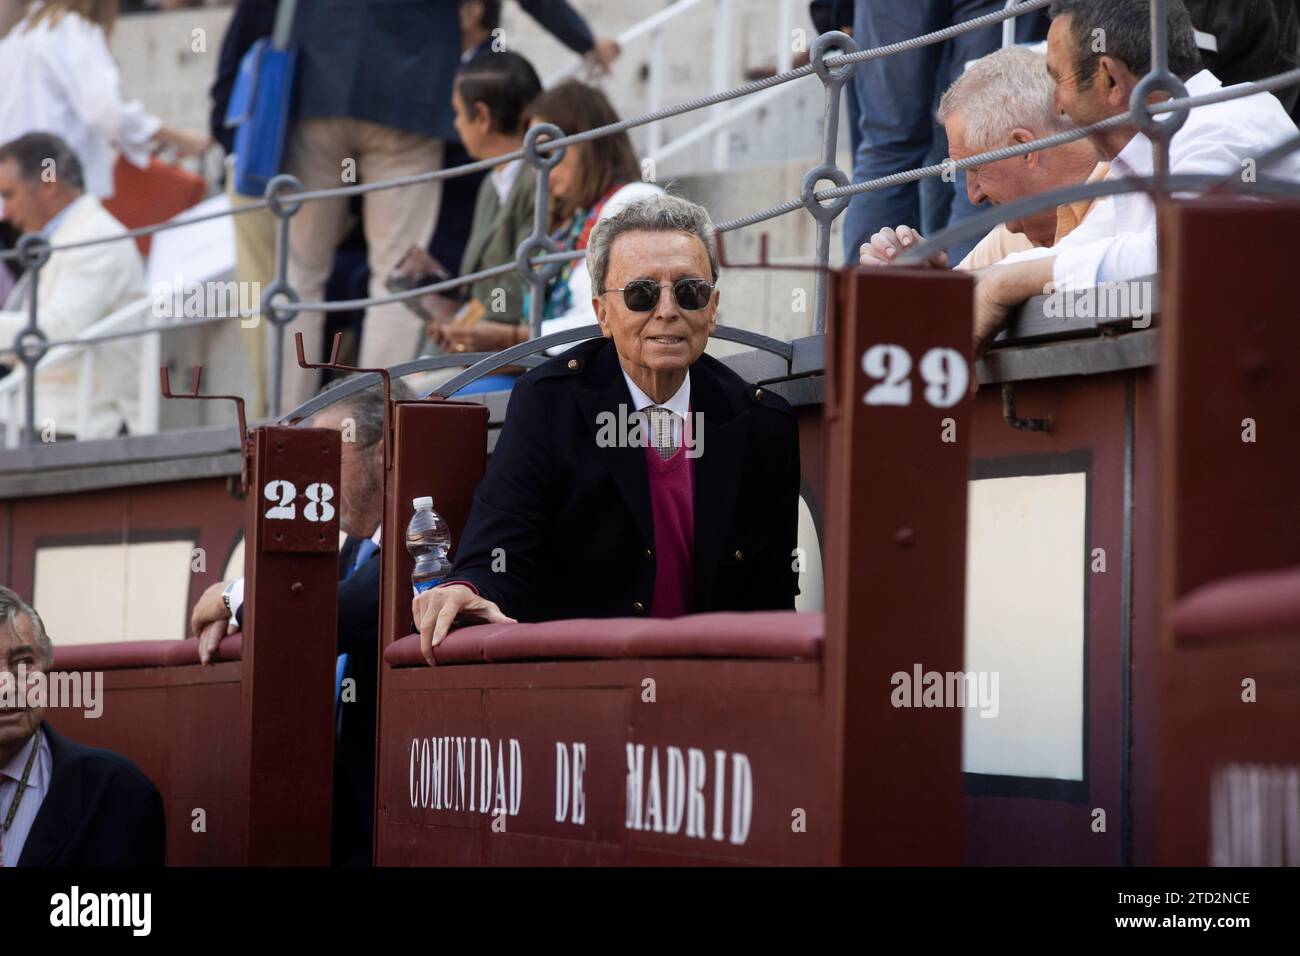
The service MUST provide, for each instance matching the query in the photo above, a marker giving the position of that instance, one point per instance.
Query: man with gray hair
(359, 415)
(42, 188)
(62, 804)
(634, 475)
(1004, 99)
(1095, 81)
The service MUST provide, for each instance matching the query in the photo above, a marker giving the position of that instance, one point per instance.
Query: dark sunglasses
(642, 295)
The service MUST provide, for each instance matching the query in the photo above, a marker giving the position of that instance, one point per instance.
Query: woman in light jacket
(593, 181)
(58, 76)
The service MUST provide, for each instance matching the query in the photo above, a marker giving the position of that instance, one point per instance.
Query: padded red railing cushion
(122, 655)
(1265, 602)
(758, 634)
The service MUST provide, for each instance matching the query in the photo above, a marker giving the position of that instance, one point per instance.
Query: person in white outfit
(1116, 242)
(58, 76)
(43, 190)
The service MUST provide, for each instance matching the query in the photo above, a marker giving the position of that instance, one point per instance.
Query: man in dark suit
(62, 804)
(360, 417)
(634, 475)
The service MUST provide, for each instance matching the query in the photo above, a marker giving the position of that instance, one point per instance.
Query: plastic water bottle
(428, 540)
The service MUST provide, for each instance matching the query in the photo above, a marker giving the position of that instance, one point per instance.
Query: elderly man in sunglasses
(634, 476)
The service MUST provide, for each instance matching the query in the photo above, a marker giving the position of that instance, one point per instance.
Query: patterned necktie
(663, 431)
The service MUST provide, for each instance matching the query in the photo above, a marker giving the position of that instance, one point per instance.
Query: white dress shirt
(679, 404)
(38, 785)
(62, 79)
(503, 178)
(76, 289)
(1117, 240)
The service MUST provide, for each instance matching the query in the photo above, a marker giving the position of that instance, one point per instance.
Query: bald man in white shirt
(1117, 240)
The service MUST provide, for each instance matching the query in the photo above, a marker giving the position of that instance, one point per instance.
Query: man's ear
(479, 113)
(598, 306)
(713, 315)
(1113, 81)
(1020, 136)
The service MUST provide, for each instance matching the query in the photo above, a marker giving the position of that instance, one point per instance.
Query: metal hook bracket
(333, 363)
(245, 441)
(1009, 413)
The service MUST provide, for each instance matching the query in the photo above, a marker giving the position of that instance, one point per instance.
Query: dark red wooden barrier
(242, 750)
(712, 738)
(1229, 784)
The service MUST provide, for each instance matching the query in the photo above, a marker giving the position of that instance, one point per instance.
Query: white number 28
(318, 508)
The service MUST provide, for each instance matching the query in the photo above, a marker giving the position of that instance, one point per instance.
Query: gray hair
(31, 152)
(1121, 29)
(997, 93)
(11, 608)
(366, 406)
(659, 213)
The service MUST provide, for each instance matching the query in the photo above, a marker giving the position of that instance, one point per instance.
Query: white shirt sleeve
(80, 64)
(236, 592)
(1119, 258)
(11, 323)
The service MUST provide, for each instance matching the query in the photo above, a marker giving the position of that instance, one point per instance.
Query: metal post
(723, 25)
(784, 31)
(833, 81)
(540, 240)
(1160, 68)
(1009, 26)
(276, 314)
(31, 343)
(654, 132)
(1159, 80)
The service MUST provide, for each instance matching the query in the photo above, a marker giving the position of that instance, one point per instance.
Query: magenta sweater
(672, 502)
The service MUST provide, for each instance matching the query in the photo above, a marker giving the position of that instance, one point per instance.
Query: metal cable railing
(833, 58)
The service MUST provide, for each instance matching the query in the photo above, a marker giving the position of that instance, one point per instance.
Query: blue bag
(259, 106)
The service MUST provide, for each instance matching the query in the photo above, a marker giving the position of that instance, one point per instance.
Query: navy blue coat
(100, 810)
(574, 518)
(392, 62)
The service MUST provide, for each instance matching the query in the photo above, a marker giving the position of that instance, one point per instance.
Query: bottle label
(421, 586)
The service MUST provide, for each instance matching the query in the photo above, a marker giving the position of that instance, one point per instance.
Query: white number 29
(944, 370)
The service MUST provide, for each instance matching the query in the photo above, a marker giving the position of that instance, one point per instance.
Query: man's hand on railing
(209, 639)
(888, 243)
(436, 610)
(210, 620)
(604, 53)
(1000, 289)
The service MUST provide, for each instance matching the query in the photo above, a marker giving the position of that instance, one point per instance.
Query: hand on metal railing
(886, 245)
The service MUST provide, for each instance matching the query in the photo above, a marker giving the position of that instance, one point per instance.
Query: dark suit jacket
(1256, 39)
(100, 810)
(574, 519)
(251, 20)
(354, 754)
(392, 62)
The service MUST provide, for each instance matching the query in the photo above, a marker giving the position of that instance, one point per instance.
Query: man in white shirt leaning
(42, 187)
(1117, 240)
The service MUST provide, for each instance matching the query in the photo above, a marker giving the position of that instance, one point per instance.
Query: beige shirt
(1002, 242)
